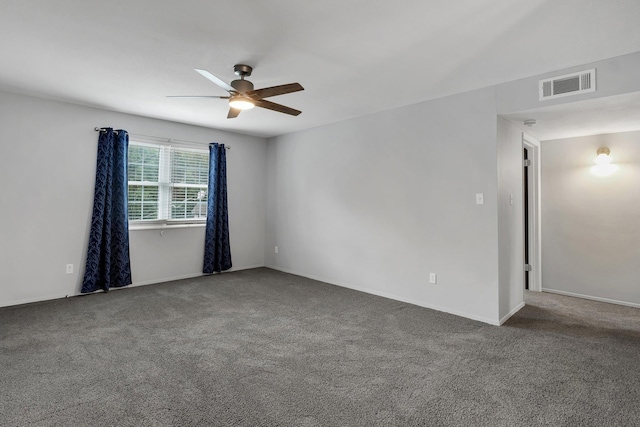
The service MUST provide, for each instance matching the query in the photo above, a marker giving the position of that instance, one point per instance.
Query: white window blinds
(167, 183)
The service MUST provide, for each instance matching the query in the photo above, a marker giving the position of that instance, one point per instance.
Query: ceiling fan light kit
(241, 103)
(242, 95)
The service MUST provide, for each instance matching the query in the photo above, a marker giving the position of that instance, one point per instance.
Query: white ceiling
(353, 57)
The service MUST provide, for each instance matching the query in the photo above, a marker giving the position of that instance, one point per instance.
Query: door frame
(534, 214)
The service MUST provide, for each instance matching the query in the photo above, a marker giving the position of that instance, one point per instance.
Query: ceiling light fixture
(241, 102)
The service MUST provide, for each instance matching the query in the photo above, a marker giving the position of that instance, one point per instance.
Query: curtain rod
(97, 129)
(158, 138)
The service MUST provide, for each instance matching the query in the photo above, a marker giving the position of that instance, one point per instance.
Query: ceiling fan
(242, 96)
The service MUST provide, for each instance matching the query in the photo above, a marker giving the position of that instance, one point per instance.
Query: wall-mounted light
(603, 157)
(603, 166)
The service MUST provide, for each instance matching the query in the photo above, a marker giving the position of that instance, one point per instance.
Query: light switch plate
(479, 199)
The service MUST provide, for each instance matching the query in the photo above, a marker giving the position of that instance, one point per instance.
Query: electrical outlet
(69, 268)
(275, 249)
(432, 278)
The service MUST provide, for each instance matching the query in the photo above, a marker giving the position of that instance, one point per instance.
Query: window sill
(165, 226)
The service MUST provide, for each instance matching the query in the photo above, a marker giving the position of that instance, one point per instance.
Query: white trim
(133, 285)
(512, 312)
(143, 283)
(163, 225)
(590, 297)
(249, 267)
(161, 280)
(33, 300)
(389, 296)
(535, 215)
(181, 277)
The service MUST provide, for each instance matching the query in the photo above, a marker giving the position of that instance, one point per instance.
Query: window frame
(165, 185)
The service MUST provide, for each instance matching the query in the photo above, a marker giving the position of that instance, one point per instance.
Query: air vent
(569, 84)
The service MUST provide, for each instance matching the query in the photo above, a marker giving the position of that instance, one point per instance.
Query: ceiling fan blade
(275, 90)
(233, 113)
(197, 96)
(216, 80)
(276, 107)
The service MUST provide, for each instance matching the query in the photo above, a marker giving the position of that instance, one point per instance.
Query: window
(167, 183)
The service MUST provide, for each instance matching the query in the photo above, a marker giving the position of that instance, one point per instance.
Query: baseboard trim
(181, 277)
(161, 280)
(187, 276)
(512, 312)
(133, 285)
(34, 300)
(387, 295)
(591, 297)
(249, 267)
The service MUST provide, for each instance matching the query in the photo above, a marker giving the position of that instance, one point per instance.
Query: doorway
(525, 197)
(531, 217)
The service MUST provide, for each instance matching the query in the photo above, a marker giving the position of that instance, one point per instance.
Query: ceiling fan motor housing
(242, 86)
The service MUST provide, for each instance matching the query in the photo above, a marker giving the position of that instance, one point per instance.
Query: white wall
(591, 224)
(614, 76)
(510, 219)
(378, 202)
(47, 174)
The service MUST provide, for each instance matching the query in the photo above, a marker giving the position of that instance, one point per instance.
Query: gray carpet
(263, 348)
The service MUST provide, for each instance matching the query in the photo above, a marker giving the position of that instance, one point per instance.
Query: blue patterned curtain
(108, 263)
(217, 252)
